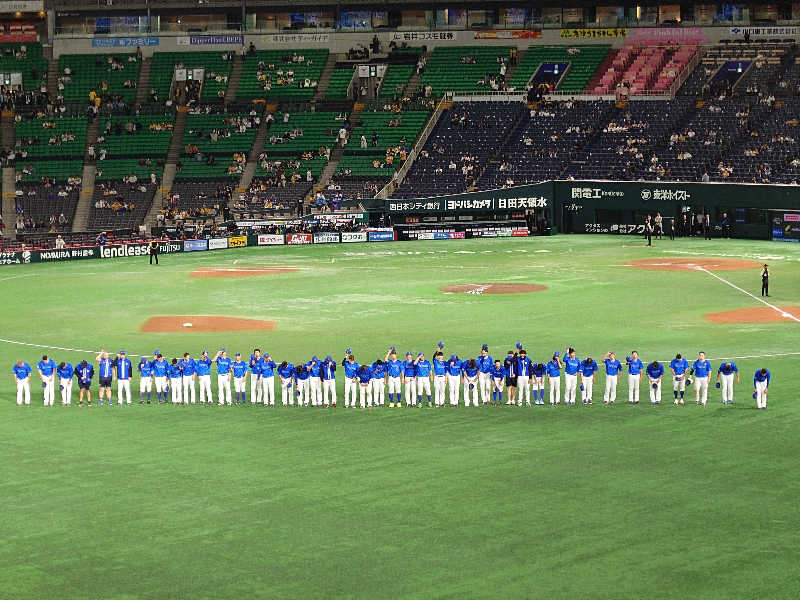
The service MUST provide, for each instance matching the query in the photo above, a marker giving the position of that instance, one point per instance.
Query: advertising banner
(297, 39)
(456, 235)
(422, 36)
(507, 34)
(326, 237)
(298, 238)
(270, 239)
(381, 235)
(739, 32)
(138, 249)
(210, 40)
(217, 243)
(354, 236)
(64, 254)
(240, 241)
(195, 245)
(614, 32)
(113, 42)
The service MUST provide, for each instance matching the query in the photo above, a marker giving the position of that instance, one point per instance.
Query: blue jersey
(468, 370)
(365, 374)
(588, 369)
(702, 368)
(302, 373)
(538, 369)
(655, 372)
(571, 365)
(679, 365)
(268, 367)
(48, 367)
(759, 377)
(203, 366)
(350, 369)
(21, 371)
(286, 372)
(409, 369)
(553, 369)
(160, 368)
(123, 368)
(423, 368)
(635, 366)
(454, 368)
(485, 364)
(328, 371)
(174, 371)
(498, 372)
(105, 367)
(725, 369)
(523, 366)
(66, 372)
(223, 365)
(378, 370)
(394, 368)
(84, 373)
(439, 367)
(239, 368)
(315, 367)
(256, 364)
(188, 366)
(145, 368)
(613, 367)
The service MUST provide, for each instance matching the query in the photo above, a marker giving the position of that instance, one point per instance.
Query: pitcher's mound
(241, 271)
(757, 314)
(173, 323)
(492, 288)
(690, 264)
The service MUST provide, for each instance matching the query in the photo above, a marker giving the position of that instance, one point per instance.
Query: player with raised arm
(613, 369)
(553, 368)
(350, 372)
(439, 376)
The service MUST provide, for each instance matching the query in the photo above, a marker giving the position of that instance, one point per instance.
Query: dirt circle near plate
(493, 288)
(690, 264)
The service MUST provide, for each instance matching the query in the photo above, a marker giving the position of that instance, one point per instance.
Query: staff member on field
(153, 251)
(765, 280)
(22, 379)
(84, 372)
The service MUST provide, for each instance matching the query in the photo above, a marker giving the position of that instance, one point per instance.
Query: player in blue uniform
(454, 371)
(422, 373)
(679, 366)
(485, 366)
(203, 369)
(175, 377)
(301, 375)
(701, 369)
(364, 378)
(409, 382)
(314, 381)
(553, 368)
(350, 372)
(223, 377)
(22, 378)
(572, 366)
(84, 372)
(378, 382)
(588, 371)
(256, 360)
(286, 374)
(188, 375)
(47, 373)
(123, 371)
(635, 368)
(725, 375)
(145, 369)
(655, 373)
(160, 367)
(65, 372)
(439, 378)
(498, 380)
(510, 365)
(761, 380)
(267, 376)
(523, 369)
(105, 375)
(328, 374)
(470, 376)
(613, 369)
(240, 370)
(394, 376)
(538, 372)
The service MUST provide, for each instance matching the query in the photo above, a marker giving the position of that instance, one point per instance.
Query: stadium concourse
(113, 142)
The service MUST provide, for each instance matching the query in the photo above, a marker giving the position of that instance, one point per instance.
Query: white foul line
(48, 347)
(736, 287)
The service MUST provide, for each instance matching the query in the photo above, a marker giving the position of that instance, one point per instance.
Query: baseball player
(439, 377)
(145, 369)
(301, 375)
(189, 372)
(394, 372)
(256, 360)
(203, 369)
(314, 381)
(105, 375)
(240, 369)
(498, 379)
(328, 373)
(160, 367)
(84, 372)
(223, 377)
(123, 371)
(47, 372)
(364, 382)
(523, 369)
(422, 373)
(470, 375)
(678, 366)
(572, 365)
(22, 379)
(350, 372)
(588, 371)
(65, 372)
(267, 376)
(175, 377)
(725, 374)
(485, 367)
(409, 384)
(635, 368)
(553, 368)
(655, 373)
(286, 375)
(761, 379)
(701, 369)
(378, 382)
(454, 370)
(510, 365)
(538, 372)
(613, 369)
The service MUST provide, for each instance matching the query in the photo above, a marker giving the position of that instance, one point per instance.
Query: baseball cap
(452, 357)
(485, 347)
(205, 351)
(122, 351)
(315, 358)
(222, 350)
(156, 352)
(329, 358)
(409, 353)
(144, 358)
(238, 354)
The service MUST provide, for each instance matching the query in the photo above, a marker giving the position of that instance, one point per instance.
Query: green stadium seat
(582, 66)
(115, 169)
(198, 128)
(60, 169)
(339, 82)
(33, 67)
(250, 86)
(163, 66)
(151, 138)
(74, 147)
(89, 71)
(395, 80)
(446, 73)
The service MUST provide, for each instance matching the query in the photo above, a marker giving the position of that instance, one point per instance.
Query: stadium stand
(46, 196)
(120, 204)
(464, 68)
(51, 138)
(135, 136)
(217, 69)
(108, 75)
(284, 74)
(582, 65)
(27, 59)
(339, 82)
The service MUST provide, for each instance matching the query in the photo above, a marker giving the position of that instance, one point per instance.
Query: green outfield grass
(598, 502)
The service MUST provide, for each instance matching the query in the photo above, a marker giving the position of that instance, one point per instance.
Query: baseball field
(203, 502)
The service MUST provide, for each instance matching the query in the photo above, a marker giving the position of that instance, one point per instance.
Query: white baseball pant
(378, 397)
(315, 390)
(586, 395)
(123, 389)
(66, 390)
(454, 384)
(49, 390)
(224, 389)
(161, 384)
(255, 388)
(570, 385)
(726, 381)
(23, 391)
(175, 387)
(239, 385)
(411, 391)
(350, 391)
(145, 385)
(655, 394)
(474, 392)
(188, 389)
(761, 394)
(610, 393)
(523, 389)
(679, 383)
(555, 390)
(537, 383)
(395, 387)
(365, 394)
(205, 388)
(302, 389)
(633, 387)
(329, 391)
(267, 390)
(701, 389)
(423, 385)
(485, 384)
(439, 384)
(287, 393)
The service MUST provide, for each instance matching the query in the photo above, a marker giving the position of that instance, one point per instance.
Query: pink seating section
(646, 68)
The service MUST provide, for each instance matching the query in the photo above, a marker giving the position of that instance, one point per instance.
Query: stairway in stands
(513, 66)
(258, 147)
(81, 220)
(234, 78)
(325, 77)
(170, 168)
(143, 84)
(52, 71)
(413, 81)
